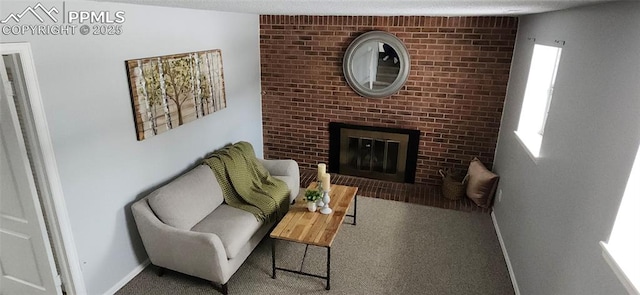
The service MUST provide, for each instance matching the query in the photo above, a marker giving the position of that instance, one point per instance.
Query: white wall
(103, 167)
(553, 213)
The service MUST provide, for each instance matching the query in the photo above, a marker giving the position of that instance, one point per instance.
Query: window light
(621, 252)
(537, 96)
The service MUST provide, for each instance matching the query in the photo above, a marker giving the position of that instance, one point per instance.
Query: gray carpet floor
(395, 248)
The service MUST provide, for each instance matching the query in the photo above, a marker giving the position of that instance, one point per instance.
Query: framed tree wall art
(168, 91)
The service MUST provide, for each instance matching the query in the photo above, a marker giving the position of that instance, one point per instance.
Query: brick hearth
(410, 193)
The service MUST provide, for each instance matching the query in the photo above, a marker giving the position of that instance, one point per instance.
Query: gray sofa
(186, 226)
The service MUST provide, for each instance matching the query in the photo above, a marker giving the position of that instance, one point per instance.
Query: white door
(26, 259)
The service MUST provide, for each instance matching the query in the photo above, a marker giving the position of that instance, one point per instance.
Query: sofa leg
(160, 271)
(221, 288)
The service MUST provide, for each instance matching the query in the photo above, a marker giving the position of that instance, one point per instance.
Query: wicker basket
(454, 186)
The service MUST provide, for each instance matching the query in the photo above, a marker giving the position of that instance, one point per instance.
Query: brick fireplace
(454, 94)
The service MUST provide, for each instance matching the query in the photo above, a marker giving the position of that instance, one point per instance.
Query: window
(537, 96)
(621, 252)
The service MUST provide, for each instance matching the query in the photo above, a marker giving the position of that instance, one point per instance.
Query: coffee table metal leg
(273, 258)
(355, 209)
(328, 268)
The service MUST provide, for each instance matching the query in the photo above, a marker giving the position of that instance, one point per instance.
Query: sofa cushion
(188, 199)
(233, 226)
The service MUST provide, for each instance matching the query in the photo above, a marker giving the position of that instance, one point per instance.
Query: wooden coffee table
(314, 228)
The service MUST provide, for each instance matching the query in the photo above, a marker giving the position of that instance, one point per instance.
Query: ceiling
(373, 7)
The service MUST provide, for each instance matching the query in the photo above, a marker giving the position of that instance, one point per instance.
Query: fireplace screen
(378, 154)
(370, 154)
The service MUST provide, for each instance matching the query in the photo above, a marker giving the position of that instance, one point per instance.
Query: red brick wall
(454, 94)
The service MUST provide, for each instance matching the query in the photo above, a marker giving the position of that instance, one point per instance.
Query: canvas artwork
(168, 91)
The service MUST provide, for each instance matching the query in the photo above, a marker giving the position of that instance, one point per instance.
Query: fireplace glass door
(373, 154)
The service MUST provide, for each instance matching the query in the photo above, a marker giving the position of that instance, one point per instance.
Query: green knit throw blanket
(246, 184)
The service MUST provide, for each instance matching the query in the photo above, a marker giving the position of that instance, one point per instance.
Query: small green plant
(312, 195)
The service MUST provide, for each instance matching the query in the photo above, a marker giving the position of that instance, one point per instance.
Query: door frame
(52, 197)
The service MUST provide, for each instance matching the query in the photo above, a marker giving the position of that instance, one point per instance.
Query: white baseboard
(506, 255)
(128, 277)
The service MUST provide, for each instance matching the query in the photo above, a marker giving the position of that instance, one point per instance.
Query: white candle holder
(319, 202)
(326, 199)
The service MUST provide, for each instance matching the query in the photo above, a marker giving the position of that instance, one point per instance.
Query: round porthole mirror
(376, 64)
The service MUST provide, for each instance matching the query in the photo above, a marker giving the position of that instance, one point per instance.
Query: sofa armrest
(281, 167)
(287, 168)
(194, 253)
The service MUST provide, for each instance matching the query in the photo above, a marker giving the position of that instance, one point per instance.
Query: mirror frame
(403, 56)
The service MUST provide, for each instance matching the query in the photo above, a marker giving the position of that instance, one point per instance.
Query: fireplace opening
(373, 152)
